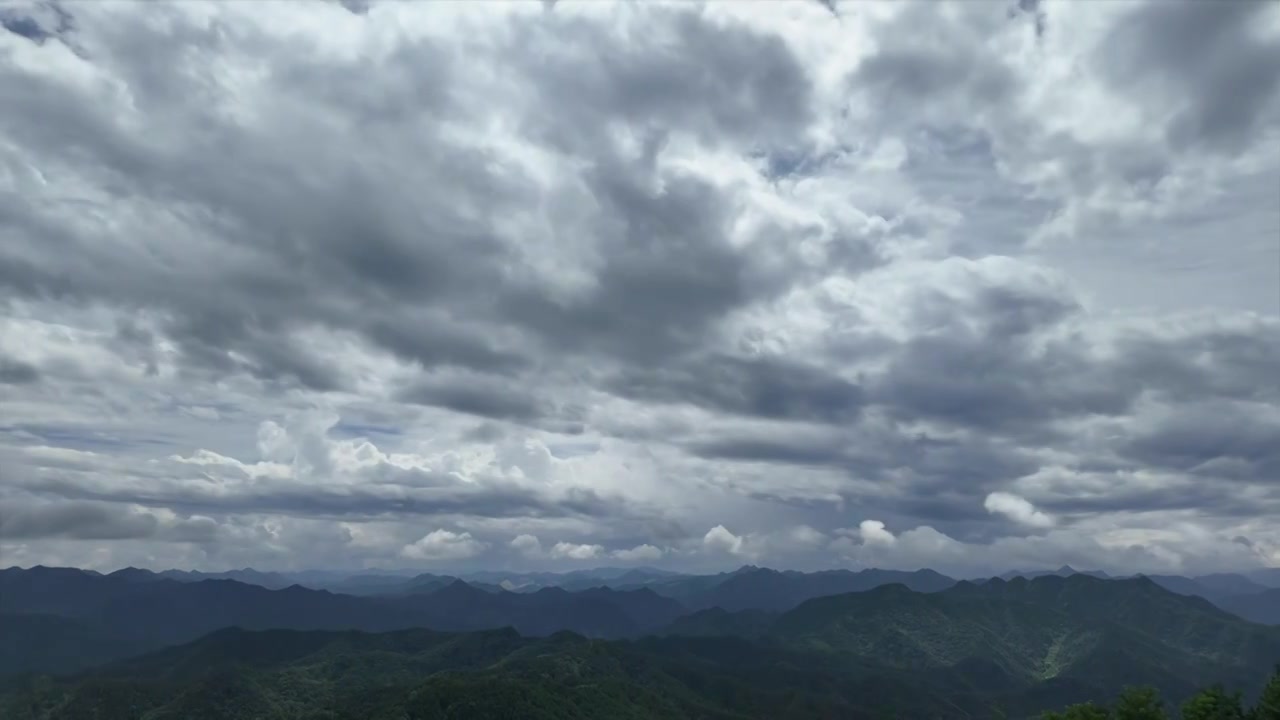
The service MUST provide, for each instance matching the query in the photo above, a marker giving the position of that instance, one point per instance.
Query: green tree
(1085, 711)
(1139, 703)
(1268, 707)
(1213, 703)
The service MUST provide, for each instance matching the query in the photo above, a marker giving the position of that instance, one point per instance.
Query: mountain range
(153, 611)
(1013, 647)
(133, 610)
(1254, 596)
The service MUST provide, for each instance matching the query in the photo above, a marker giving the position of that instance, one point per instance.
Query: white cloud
(873, 532)
(805, 536)
(639, 553)
(527, 545)
(1018, 509)
(572, 551)
(720, 539)
(443, 545)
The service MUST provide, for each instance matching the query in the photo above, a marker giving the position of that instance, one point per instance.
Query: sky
(972, 286)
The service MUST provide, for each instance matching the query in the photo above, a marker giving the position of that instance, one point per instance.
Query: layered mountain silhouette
(765, 589)
(972, 650)
(748, 587)
(153, 611)
(1261, 607)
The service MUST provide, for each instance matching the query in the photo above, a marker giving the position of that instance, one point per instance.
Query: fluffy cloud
(572, 551)
(527, 545)
(719, 539)
(443, 545)
(873, 532)
(285, 285)
(1016, 509)
(639, 553)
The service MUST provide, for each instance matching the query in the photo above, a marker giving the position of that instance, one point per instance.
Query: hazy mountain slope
(1261, 607)
(612, 577)
(1181, 585)
(153, 612)
(1064, 571)
(718, 622)
(1020, 646)
(249, 576)
(1268, 577)
(414, 674)
(48, 643)
(1229, 584)
(764, 589)
(1049, 628)
(1236, 594)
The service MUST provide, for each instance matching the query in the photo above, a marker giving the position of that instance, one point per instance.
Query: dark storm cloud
(937, 59)
(1220, 499)
(435, 342)
(996, 385)
(476, 396)
(78, 520)
(1213, 439)
(771, 450)
(938, 479)
(24, 26)
(80, 436)
(719, 79)
(84, 520)
(1039, 18)
(983, 363)
(1239, 363)
(223, 343)
(357, 7)
(412, 493)
(342, 248)
(764, 387)
(1223, 75)
(16, 372)
(37, 23)
(986, 370)
(551, 224)
(667, 272)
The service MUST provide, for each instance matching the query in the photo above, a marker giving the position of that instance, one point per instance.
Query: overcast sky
(974, 287)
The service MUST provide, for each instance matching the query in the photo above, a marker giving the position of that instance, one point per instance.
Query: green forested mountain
(50, 644)
(491, 674)
(1062, 637)
(1015, 648)
(1260, 607)
(756, 588)
(718, 622)
(152, 612)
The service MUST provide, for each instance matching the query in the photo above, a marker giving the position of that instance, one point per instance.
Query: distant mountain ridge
(154, 611)
(235, 674)
(974, 650)
(748, 587)
(1065, 631)
(1248, 596)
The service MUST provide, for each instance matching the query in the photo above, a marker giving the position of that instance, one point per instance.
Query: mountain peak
(459, 589)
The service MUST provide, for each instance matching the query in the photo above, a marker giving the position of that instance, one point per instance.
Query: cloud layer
(965, 286)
